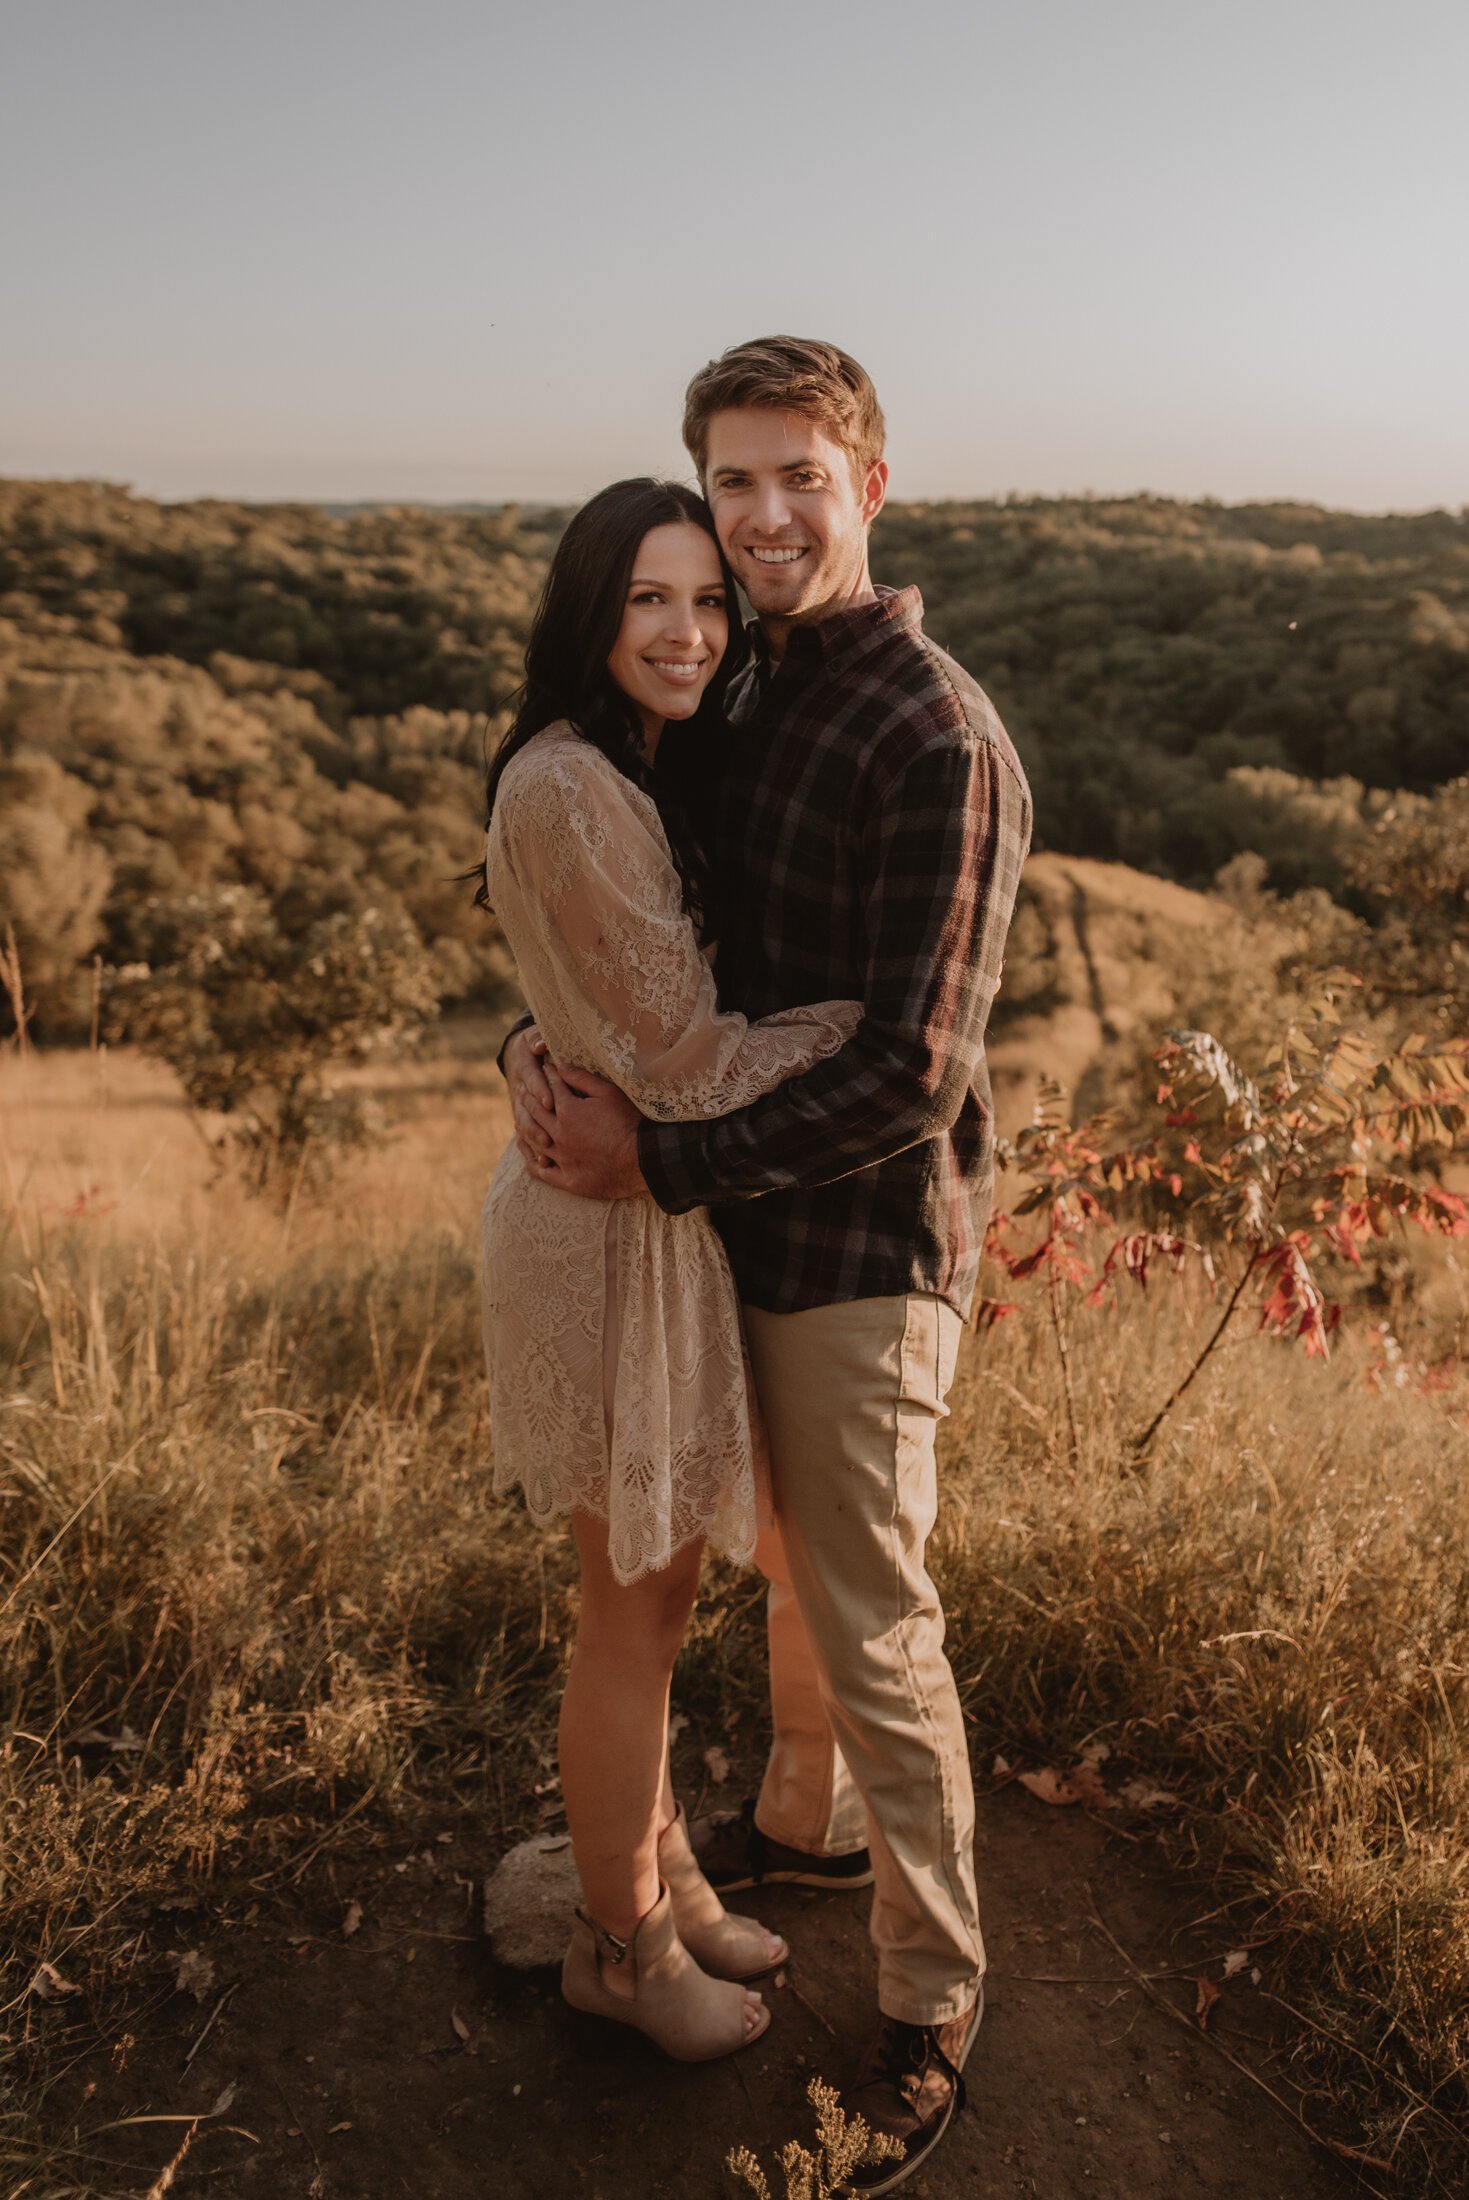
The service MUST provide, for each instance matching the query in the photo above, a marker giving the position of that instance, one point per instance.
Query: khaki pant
(869, 1737)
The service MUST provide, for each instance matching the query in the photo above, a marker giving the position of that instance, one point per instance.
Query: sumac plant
(1268, 1186)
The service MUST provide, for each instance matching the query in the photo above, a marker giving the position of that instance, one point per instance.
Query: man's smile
(777, 557)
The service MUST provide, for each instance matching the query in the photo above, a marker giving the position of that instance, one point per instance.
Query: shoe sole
(592, 2017)
(903, 2170)
(852, 1884)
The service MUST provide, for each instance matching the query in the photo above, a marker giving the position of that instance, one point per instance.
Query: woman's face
(675, 625)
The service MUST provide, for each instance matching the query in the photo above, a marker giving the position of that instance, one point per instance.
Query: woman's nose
(682, 624)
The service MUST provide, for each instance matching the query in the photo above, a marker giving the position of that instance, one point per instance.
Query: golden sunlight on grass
(256, 1598)
(104, 1140)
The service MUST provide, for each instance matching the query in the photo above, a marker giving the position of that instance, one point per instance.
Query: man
(872, 822)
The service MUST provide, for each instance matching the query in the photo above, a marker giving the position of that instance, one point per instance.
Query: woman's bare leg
(614, 1724)
(614, 1728)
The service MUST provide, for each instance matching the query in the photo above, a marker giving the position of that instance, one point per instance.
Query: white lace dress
(618, 1381)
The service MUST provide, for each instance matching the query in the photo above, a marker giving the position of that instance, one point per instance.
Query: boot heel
(720, 1941)
(692, 2017)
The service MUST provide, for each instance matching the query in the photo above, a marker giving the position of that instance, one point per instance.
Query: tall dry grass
(255, 1599)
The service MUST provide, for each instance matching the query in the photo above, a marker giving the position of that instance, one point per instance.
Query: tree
(54, 879)
(254, 1014)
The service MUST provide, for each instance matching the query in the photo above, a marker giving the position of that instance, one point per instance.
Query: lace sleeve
(582, 877)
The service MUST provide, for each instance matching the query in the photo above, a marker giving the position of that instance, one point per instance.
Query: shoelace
(903, 2052)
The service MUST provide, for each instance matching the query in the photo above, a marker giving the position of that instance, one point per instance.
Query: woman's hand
(591, 1147)
(532, 1102)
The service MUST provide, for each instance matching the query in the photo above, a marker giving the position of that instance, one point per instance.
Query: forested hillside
(1141, 650)
(294, 703)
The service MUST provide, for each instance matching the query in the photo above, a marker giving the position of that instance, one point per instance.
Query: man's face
(792, 519)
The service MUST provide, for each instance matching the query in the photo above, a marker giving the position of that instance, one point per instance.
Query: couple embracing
(758, 887)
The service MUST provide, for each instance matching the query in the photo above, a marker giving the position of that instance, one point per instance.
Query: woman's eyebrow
(645, 581)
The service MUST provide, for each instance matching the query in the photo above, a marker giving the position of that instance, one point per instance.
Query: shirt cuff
(672, 1160)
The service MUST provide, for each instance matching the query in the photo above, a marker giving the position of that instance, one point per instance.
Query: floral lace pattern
(618, 1381)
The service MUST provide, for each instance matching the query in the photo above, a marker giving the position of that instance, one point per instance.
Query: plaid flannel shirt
(872, 822)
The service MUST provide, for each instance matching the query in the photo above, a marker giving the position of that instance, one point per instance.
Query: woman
(619, 1390)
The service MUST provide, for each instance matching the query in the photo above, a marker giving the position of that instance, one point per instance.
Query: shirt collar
(843, 640)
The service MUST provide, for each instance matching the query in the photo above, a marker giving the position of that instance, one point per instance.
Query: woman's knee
(643, 1624)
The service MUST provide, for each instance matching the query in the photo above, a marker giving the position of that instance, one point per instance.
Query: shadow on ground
(399, 2059)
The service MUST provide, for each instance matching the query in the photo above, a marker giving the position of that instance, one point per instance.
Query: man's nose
(772, 508)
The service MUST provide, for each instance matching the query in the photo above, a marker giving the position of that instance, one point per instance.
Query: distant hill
(297, 700)
(1140, 650)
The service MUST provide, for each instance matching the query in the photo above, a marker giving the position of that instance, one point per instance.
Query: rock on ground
(528, 1903)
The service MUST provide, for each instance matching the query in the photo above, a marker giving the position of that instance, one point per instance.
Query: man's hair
(789, 374)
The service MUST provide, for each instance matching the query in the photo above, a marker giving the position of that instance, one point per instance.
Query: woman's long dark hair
(575, 628)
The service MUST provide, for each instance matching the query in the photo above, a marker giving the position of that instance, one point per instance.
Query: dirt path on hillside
(1105, 923)
(401, 2060)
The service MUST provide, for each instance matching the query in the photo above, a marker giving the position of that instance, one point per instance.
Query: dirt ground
(396, 2058)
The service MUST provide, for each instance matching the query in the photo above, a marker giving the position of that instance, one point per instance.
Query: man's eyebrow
(808, 465)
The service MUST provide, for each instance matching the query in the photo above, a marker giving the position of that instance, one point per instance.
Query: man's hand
(593, 1144)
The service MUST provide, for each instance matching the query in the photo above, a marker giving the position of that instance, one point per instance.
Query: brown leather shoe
(733, 1853)
(911, 2087)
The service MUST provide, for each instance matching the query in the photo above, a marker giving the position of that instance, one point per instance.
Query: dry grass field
(256, 1604)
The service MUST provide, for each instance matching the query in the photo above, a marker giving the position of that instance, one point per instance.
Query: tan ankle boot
(723, 1944)
(691, 2016)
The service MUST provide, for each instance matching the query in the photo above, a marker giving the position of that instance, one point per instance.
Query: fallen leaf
(49, 1985)
(335, 2128)
(195, 1974)
(226, 2101)
(1096, 1753)
(1002, 1767)
(317, 2187)
(412, 1956)
(1083, 1786)
(1144, 1795)
(459, 2024)
(1235, 1962)
(352, 1918)
(677, 1724)
(717, 1764)
(1208, 1994)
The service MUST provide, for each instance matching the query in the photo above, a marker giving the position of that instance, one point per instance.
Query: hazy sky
(346, 248)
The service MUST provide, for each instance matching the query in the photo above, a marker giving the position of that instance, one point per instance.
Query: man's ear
(874, 491)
